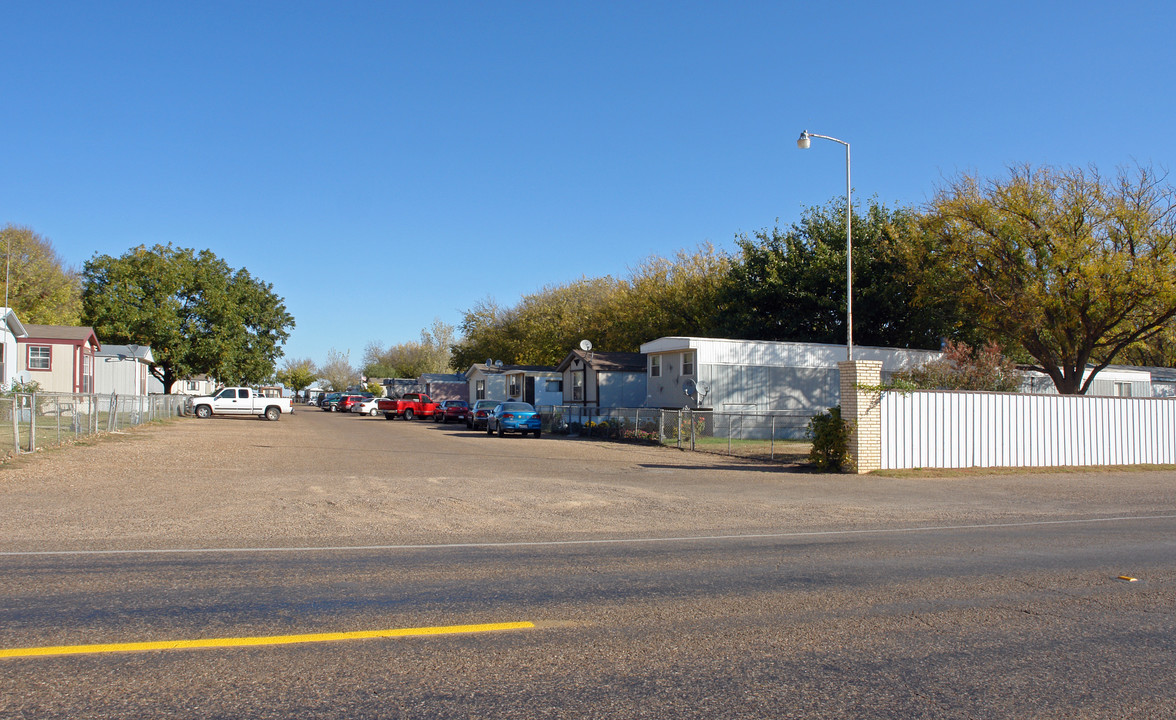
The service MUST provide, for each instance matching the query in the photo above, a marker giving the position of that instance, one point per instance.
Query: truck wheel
(408, 414)
(389, 416)
(203, 412)
(272, 413)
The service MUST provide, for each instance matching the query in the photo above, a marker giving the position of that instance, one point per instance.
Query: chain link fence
(773, 436)
(32, 421)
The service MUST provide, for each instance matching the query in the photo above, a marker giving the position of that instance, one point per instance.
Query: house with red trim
(58, 358)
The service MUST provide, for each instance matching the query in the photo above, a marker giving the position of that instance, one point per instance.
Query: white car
(367, 407)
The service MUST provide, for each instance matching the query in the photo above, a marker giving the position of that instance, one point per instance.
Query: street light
(803, 142)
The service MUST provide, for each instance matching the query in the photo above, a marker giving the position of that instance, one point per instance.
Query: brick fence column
(863, 411)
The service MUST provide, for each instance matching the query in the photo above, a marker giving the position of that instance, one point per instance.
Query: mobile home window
(655, 366)
(515, 391)
(87, 373)
(578, 385)
(688, 363)
(39, 357)
(554, 386)
(480, 390)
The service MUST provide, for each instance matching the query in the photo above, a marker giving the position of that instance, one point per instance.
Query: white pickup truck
(239, 401)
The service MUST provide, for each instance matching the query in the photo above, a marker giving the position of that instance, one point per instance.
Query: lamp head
(803, 142)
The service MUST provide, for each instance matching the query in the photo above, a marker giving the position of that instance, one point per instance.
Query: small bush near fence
(830, 441)
(778, 437)
(34, 421)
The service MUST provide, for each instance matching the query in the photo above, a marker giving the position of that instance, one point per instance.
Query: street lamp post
(803, 143)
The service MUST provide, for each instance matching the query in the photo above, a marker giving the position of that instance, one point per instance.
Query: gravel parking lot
(325, 479)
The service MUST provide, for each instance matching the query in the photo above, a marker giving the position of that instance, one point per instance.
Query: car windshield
(517, 407)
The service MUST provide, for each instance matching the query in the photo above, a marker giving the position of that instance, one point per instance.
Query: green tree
(197, 313)
(790, 285)
(297, 374)
(668, 297)
(661, 296)
(40, 288)
(1066, 264)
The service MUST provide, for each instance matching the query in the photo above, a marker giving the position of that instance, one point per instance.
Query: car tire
(374, 412)
(489, 430)
(501, 431)
(538, 433)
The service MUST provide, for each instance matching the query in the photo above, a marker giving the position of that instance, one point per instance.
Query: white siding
(957, 430)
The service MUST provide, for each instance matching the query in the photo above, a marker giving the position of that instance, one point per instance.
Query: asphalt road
(987, 597)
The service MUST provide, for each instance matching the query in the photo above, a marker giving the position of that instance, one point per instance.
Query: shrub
(642, 435)
(830, 437)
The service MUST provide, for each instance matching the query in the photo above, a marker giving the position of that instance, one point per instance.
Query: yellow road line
(262, 640)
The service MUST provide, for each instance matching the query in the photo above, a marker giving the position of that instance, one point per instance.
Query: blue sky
(385, 164)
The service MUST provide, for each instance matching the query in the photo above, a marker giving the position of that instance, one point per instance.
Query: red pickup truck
(408, 406)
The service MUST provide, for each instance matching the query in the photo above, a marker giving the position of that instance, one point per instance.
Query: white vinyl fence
(973, 429)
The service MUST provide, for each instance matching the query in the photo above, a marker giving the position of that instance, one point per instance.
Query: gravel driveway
(326, 479)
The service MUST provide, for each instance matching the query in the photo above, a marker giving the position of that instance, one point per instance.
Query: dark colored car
(517, 417)
(452, 411)
(329, 401)
(481, 409)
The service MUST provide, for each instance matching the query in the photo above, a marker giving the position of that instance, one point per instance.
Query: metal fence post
(33, 422)
(15, 424)
(772, 444)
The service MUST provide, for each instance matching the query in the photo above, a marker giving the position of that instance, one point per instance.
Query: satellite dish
(489, 361)
(497, 363)
(702, 387)
(586, 345)
(690, 388)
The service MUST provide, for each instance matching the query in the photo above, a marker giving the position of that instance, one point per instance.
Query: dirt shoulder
(324, 479)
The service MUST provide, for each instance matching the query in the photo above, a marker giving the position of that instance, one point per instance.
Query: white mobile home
(756, 376)
(125, 370)
(10, 330)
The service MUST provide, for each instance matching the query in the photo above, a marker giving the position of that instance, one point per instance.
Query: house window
(480, 390)
(655, 366)
(40, 357)
(688, 363)
(578, 386)
(553, 386)
(87, 373)
(514, 390)
(192, 385)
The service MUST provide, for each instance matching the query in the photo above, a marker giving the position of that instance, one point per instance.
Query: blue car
(513, 416)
